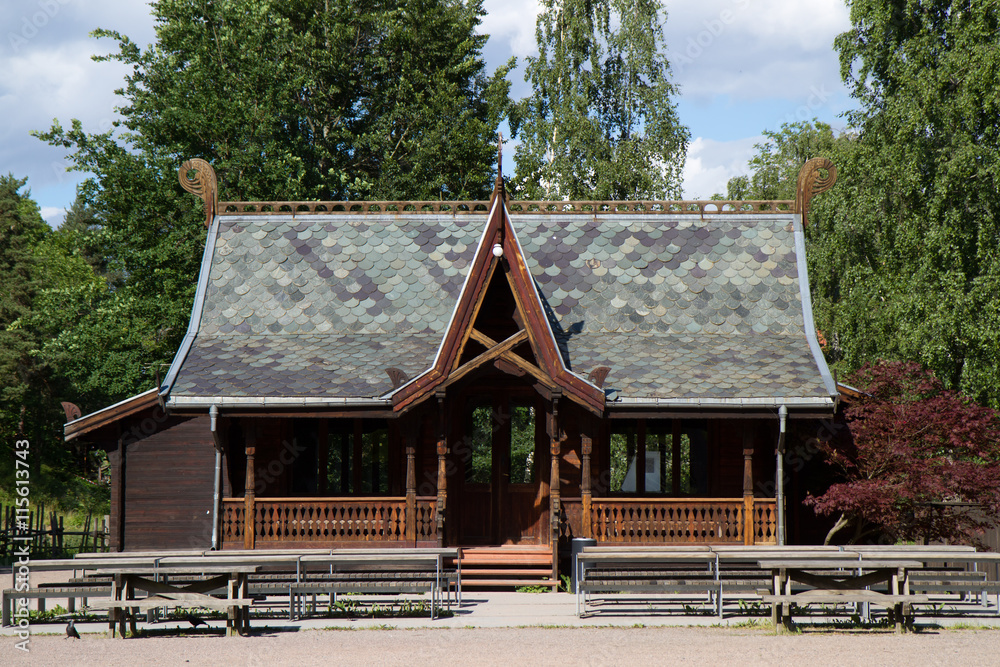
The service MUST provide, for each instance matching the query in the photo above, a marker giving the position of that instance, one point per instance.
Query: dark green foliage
(905, 248)
(601, 122)
(34, 261)
(903, 252)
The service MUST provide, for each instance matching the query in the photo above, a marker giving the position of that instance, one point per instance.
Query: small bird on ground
(71, 631)
(195, 621)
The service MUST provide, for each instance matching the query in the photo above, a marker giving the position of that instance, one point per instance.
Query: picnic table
(149, 574)
(834, 579)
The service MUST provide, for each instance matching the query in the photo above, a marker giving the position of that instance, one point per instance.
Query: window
(305, 471)
(522, 444)
(661, 457)
(479, 464)
(374, 459)
(357, 457)
(340, 455)
(623, 451)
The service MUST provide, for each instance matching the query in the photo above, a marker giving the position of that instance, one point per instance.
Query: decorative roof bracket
(811, 182)
(204, 185)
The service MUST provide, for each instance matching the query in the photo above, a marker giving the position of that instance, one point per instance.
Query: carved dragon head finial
(811, 183)
(204, 184)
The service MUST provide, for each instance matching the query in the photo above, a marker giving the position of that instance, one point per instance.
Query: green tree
(775, 168)
(34, 260)
(601, 122)
(299, 99)
(904, 250)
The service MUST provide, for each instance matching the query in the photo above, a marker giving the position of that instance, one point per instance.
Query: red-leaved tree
(921, 462)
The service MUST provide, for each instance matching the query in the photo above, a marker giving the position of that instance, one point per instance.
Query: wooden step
(498, 583)
(501, 560)
(506, 572)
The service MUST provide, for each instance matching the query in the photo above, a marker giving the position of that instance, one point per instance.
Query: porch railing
(673, 520)
(327, 520)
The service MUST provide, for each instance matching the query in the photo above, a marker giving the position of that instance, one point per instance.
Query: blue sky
(743, 66)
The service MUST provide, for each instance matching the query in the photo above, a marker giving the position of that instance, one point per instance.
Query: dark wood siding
(169, 478)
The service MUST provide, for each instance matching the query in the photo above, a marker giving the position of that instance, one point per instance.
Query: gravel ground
(515, 646)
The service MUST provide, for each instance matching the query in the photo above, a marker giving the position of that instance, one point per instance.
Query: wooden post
(554, 493)
(442, 481)
(675, 457)
(411, 492)
(586, 494)
(748, 522)
(250, 507)
(117, 461)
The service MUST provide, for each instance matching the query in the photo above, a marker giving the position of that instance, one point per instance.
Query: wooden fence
(47, 540)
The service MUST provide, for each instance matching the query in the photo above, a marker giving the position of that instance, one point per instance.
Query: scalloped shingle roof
(678, 306)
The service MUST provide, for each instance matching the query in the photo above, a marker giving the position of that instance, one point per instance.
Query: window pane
(375, 460)
(522, 444)
(338, 466)
(659, 457)
(623, 450)
(697, 434)
(305, 469)
(479, 466)
(685, 464)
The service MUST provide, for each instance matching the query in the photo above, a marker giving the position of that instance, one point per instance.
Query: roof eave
(110, 414)
(182, 402)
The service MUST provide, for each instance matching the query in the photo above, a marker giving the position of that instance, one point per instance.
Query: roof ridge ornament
(811, 182)
(204, 184)
(499, 188)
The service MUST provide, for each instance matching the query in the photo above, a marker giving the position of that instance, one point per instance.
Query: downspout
(213, 412)
(779, 475)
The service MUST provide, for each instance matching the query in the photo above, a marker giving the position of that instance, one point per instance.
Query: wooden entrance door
(500, 501)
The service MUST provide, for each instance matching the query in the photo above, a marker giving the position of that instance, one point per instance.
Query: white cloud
(53, 215)
(512, 22)
(710, 164)
(754, 49)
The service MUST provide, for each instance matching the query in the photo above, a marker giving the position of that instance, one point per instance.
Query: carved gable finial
(498, 185)
(204, 184)
(811, 182)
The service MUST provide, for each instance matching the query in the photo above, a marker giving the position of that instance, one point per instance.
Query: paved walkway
(514, 610)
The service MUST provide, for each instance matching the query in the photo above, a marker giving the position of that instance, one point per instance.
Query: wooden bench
(717, 573)
(602, 571)
(70, 593)
(899, 607)
(387, 571)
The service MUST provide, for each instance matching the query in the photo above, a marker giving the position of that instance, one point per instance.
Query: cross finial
(499, 155)
(498, 186)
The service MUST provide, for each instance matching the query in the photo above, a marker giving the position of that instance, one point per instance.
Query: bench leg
(6, 612)
(71, 605)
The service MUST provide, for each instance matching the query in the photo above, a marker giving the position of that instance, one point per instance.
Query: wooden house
(475, 373)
